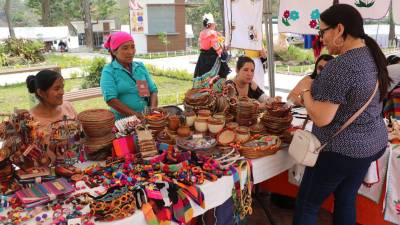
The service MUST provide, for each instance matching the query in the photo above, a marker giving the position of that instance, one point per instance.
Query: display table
(368, 211)
(216, 193)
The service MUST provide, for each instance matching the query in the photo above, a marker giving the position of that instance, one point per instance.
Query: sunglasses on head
(321, 32)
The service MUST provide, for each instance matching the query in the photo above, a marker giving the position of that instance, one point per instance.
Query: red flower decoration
(398, 207)
(286, 14)
(313, 23)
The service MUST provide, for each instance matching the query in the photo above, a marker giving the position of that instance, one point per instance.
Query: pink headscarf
(117, 39)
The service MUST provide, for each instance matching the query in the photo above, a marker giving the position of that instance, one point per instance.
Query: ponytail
(381, 64)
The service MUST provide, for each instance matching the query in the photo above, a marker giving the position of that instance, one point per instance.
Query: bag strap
(355, 115)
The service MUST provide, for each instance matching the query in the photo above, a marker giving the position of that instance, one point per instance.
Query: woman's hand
(305, 84)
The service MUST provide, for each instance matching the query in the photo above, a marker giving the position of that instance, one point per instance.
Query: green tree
(163, 37)
(8, 16)
(194, 16)
(103, 9)
(62, 12)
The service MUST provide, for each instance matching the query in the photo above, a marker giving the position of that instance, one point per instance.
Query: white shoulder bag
(305, 146)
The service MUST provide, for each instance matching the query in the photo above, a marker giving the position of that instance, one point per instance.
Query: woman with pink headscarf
(126, 85)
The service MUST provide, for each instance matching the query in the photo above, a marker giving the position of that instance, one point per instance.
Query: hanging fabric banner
(301, 16)
(243, 23)
(370, 9)
(396, 11)
(392, 198)
(136, 16)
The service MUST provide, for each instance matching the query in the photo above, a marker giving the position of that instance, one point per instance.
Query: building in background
(51, 36)
(149, 18)
(101, 30)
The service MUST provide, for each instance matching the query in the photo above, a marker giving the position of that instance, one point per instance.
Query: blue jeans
(333, 173)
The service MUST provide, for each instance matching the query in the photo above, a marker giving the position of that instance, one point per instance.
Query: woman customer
(294, 95)
(126, 85)
(343, 87)
(244, 84)
(48, 86)
(211, 49)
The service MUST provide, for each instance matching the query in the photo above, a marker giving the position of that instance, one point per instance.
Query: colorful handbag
(124, 146)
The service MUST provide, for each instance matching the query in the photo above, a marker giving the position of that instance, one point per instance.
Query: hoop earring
(340, 44)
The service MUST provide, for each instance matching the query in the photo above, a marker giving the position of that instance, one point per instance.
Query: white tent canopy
(37, 33)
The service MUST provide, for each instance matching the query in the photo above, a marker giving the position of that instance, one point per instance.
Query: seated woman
(260, 59)
(126, 85)
(244, 84)
(294, 95)
(48, 86)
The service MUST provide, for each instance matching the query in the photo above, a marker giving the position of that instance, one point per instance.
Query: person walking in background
(211, 48)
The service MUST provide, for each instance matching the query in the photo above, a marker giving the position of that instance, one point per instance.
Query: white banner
(301, 16)
(370, 9)
(243, 23)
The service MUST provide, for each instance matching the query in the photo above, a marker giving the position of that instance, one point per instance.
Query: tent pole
(269, 37)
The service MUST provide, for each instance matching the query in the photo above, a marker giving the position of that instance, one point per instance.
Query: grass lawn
(18, 96)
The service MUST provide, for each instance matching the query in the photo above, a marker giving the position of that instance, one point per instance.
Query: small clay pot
(201, 125)
(204, 113)
(232, 125)
(190, 118)
(173, 122)
(183, 131)
(242, 134)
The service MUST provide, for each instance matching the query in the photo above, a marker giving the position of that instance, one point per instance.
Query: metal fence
(153, 55)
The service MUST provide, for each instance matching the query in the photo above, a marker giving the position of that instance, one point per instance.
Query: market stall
(376, 203)
(165, 168)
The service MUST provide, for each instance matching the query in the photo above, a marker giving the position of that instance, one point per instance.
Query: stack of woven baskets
(157, 120)
(260, 147)
(97, 125)
(278, 118)
(246, 112)
(196, 99)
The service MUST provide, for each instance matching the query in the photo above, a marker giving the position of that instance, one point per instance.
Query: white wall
(140, 40)
(73, 42)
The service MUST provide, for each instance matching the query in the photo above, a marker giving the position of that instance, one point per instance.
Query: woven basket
(258, 152)
(94, 144)
(96, 122)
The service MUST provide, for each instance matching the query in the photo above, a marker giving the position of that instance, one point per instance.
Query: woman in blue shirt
(127, 86)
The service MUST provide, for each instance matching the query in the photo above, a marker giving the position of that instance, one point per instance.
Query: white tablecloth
(269, 166)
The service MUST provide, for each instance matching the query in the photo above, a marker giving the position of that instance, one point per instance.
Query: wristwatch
(302, 94)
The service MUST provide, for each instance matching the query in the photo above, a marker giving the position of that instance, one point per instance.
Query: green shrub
(65, 61)
(93, 72)
(74, 75)
(293, 53)
(171, 73)
(3, 59)
(29, 51)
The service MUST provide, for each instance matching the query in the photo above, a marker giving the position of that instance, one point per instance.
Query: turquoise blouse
(117, 82)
